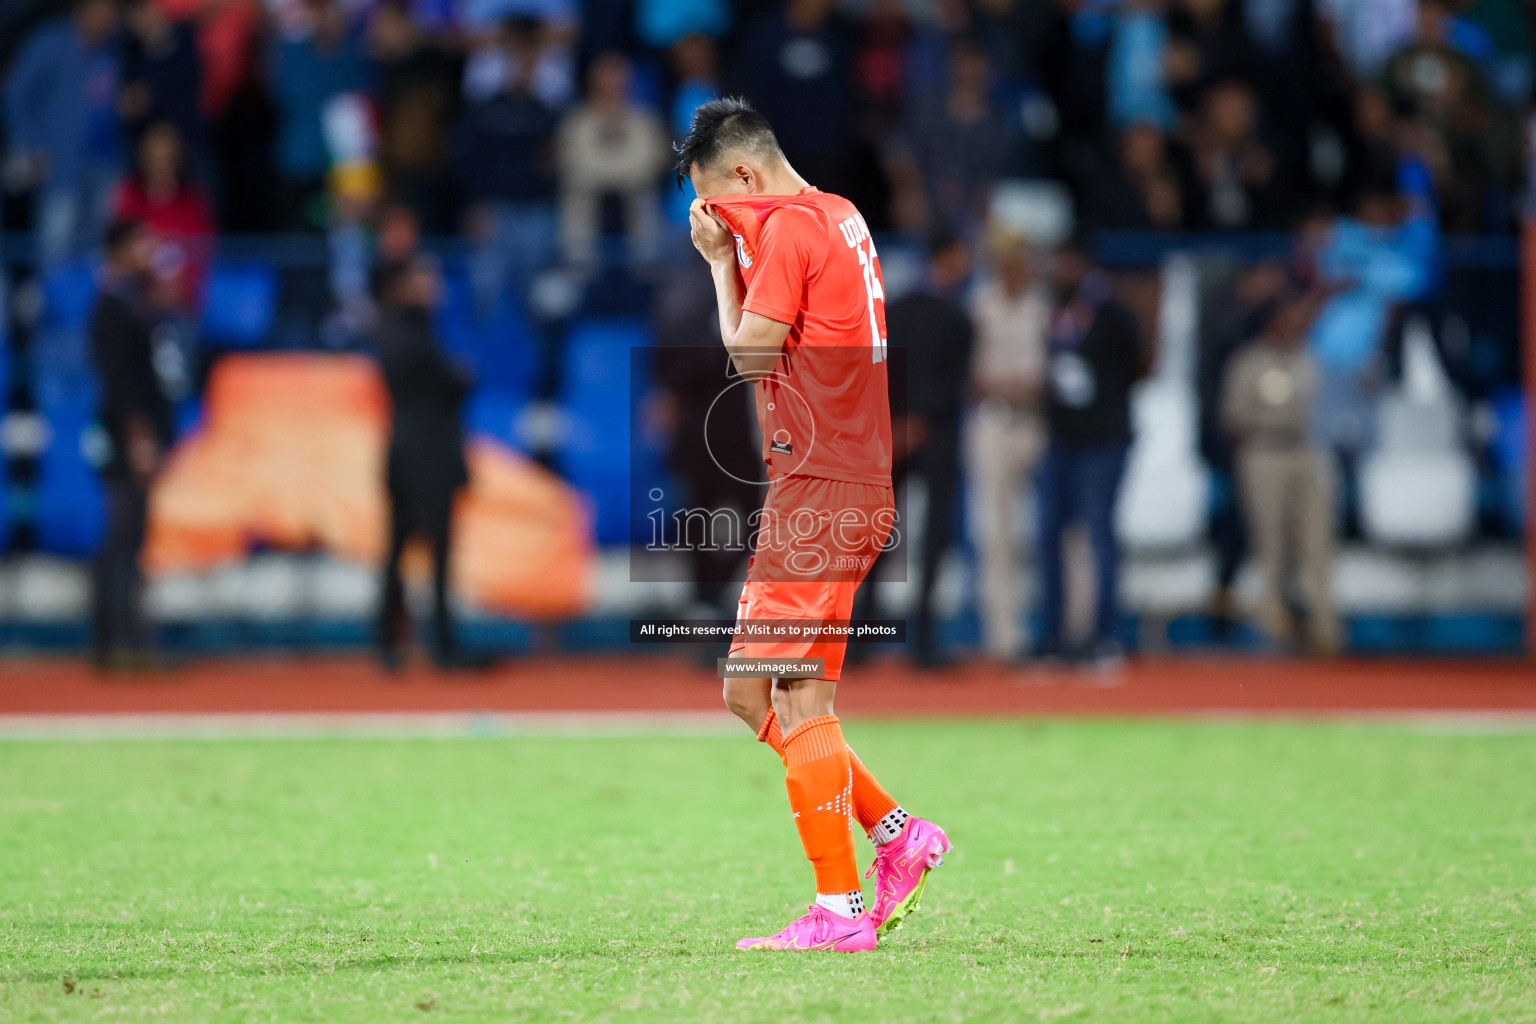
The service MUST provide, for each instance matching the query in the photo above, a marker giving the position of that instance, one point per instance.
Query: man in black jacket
(711, 453)
(935, 334)
(426, 466)
(1094, 356)
(136, 416)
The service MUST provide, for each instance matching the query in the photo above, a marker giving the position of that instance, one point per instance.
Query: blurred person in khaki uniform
(1011, 311)
(1284, 476)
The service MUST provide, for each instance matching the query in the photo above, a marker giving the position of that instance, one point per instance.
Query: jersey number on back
(856, 234)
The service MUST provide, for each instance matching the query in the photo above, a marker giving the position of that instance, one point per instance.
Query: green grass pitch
(1106, 871)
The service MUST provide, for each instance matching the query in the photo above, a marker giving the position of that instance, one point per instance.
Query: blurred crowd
(536, 135)
(495, 118)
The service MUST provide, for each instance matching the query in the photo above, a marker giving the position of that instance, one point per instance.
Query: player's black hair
(719, 127)
(119, 233)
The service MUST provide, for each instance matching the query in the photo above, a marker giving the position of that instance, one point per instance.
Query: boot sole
(913, 902)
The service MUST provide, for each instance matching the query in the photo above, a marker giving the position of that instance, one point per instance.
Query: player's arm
(756, 345)
(753, 341)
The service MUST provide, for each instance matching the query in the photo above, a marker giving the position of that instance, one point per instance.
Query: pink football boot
(820, 929)
(901, 870)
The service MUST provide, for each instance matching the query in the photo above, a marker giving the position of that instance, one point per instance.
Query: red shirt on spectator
(183, 223)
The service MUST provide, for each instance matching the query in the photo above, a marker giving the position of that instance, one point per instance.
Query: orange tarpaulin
(291, 454)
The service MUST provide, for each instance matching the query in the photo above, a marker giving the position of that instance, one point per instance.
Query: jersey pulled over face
(807, 261)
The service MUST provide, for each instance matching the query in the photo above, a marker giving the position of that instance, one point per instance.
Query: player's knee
(800, 700)
(747, 702)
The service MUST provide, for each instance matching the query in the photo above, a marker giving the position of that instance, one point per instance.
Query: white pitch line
(367, 725)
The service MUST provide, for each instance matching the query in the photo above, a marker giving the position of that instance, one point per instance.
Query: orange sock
(870, 800)
(770, 733)
(820, 785)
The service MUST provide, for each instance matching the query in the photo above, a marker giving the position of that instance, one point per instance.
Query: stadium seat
(69, 496)
(60, 350)
(597, 390)
(456, 318)
(496, 414)
(67, 296)
(499, 348)
(239, 305)
(1418, 487)
(1512, 455)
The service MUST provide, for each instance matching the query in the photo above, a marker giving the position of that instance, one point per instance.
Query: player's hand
(710, 235)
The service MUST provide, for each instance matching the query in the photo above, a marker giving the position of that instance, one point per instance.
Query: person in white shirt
(1011, 310)
(610, 146)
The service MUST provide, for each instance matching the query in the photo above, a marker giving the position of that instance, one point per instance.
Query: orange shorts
(817, 541)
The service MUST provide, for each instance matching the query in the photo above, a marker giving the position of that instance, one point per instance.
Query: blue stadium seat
(67, 296)
(598, 391)
(456, 319)
(69, 498)
(60, 350)
(239, 305)
(494, 414)
(1512, 454)
(499, 348)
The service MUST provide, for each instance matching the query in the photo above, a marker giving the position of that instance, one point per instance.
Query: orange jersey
(807, 260)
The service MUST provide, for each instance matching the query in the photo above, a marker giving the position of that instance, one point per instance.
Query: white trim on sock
(843, 904)
(889, 827)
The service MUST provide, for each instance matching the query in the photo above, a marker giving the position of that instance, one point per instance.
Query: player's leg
(878, 813)
(820, 775)
(906, 847)
(819, 783)
(817, 780)
(749, 699)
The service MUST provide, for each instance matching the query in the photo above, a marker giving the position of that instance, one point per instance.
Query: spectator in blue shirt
(660, 23)
(1384, 256)
(61, 115)
(1137, 71)
(307, 73)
